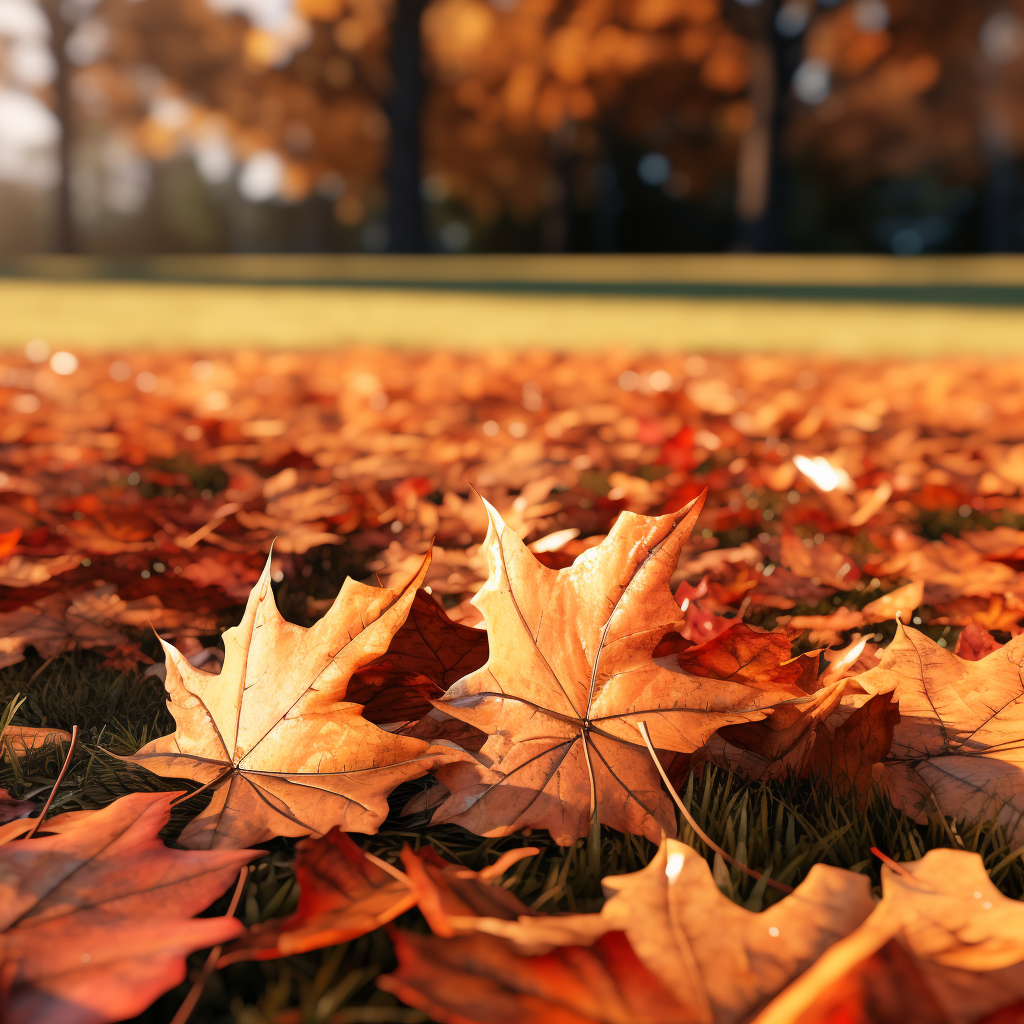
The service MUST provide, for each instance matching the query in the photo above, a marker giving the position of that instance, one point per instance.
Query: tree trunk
(65, 240)
(405, 211)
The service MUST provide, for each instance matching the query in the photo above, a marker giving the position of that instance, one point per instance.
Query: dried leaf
(851, 740)
(718, 961)
(273, 735)
(964, 941)
(570, 672)
(95, 915)
(11, 809)
(481, 978)
(820, 563)
(426, 656)
(959, 740)
(342, 895)
(975, 643)
(22, 738)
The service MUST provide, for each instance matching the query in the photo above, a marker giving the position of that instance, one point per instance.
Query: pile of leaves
(780, 599)
(145, 491)
(572, 709)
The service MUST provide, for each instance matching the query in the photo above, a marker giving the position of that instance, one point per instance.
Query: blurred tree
(897, 89)
(557, 116)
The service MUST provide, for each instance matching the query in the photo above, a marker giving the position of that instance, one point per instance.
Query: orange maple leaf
(571, 672)
(273, 735)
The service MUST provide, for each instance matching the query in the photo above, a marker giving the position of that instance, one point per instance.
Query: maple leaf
(427, 655)
(95, 915)
(950, 569)
(942, 933)
(570, 673)
(343, 893)
(273, 735)
(480, 979)
(959, 740)
(705, 958)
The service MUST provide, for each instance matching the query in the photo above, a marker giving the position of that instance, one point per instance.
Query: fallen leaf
(11, 809)
(781, 744)
(1001, 543)
(273, 735)
(427, 655)
(570, 672)
(20, 739)
(44, 626)
(975, 643)
(342, 895)
(941, 917)
(851, 740)
(820, 563)
(715, 960)
(785, 589)
(900, 603)
(721, 961)
(234, 577)
(9, 541)
(480, 979)
(96, 915)
(452, 898)
(748, 654)
(21, 571)
(952, 568)
(959, 740)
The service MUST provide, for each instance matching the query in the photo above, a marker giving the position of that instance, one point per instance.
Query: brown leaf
(820, 563)
(342, 895)
(717, 961)
(953, 568)
(21, 571)
(959, 738)
(273, 734)
(452, 897)
(975, 643)
(426, 656)
(851, 740)
(22, 738)
(480, 979)
(95, 915)
(899, 603)
(964, 941)
(11, 809)
(1001, 543)
(570, 672)
(748, 654)
(778, 746)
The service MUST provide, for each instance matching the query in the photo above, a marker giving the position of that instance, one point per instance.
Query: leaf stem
(691, 821)
(60, 778)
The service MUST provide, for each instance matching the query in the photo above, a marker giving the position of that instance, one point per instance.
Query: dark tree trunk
(65, 240)
(759, 172)
(405, 212)
(997, 231)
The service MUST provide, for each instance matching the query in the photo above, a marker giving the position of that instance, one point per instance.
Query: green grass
(781, 827)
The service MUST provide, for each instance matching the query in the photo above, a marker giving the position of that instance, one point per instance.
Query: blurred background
(135, 126)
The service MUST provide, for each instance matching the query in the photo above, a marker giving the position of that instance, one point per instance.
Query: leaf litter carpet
(782, 596)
